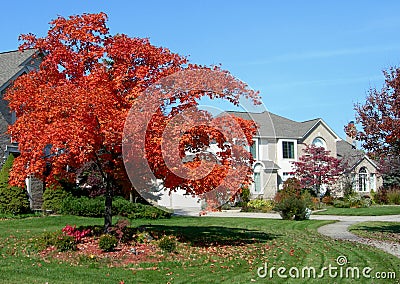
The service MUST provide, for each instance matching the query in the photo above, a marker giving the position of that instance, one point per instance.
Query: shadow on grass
(211, 235)
(382, 229)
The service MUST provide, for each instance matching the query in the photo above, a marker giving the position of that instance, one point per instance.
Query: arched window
(319, 142)
(362, 179)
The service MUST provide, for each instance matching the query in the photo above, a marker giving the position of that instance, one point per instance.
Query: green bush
(365, 202)
(58, 239)
(46, 240)
(94, 207)
(13, 200)
(245, 194)
(259, 205)
(125, 208)
(65, 243)
(83, 206)
(341, 204)
(354, 201)
(167, 243)
(291, 203)
(142, 237)
(53, 199)
(108, 242)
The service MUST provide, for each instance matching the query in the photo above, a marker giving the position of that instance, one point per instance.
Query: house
(12, 65)
(280, 141)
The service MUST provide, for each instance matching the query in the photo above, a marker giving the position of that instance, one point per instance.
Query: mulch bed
(88, 251)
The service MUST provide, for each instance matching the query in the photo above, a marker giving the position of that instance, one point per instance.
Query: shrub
(167, 243)
(53, 199)
(143, 237)
(259, 205)
(393, 196)
(13, 200)
(83, 206)
(328, 200)
(341, 204)
(60, 240)
(291, 203)
(122, 231)
(75, 233)
(380, 197)
(245, 194)
(94, 207)
(108, 242)
(46, 240)
(365, 202)
(65, 243)
(226, 206)
(354, 201)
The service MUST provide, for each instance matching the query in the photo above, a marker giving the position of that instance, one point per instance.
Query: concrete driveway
(338, 230)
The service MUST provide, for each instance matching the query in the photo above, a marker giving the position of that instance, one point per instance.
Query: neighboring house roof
(351, 156)
(275, 126)
(13, 64)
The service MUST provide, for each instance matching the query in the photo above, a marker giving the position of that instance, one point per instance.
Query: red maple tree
(379, 117)
(316, 167)
(73, 109)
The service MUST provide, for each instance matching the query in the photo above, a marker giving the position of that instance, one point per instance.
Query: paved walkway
(338, 230)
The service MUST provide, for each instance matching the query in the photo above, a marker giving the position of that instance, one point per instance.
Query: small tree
(291, 202)
(317, 168)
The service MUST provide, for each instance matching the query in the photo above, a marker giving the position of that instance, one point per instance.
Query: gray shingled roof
(272, 125)
(12, 63)
(348, 153)
(270, 165)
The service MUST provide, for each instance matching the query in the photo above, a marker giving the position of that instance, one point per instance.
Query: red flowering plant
(74, 232)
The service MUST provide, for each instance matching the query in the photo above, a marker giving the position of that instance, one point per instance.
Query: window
(253, 149)
(288, 150)
(257, 185)
(319, 142)
(257, 182)
(362, 179)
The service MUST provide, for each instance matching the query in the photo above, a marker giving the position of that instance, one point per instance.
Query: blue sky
(307, 58)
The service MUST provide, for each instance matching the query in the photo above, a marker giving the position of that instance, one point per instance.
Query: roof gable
(351, 156)
(274, 126)
(13, 64)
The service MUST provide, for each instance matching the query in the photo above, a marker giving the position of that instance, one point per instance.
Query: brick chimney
(351, 132)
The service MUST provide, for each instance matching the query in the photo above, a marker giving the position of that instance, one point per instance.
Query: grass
(382, 231)
(215, 250)
(370, 211)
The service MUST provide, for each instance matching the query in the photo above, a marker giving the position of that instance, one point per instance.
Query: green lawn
(382, 231)
(216, 250)
(370, 211)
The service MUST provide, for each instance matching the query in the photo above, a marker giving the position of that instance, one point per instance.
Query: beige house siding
(320, 131)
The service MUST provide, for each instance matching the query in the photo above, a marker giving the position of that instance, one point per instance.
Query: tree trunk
(108, 208)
